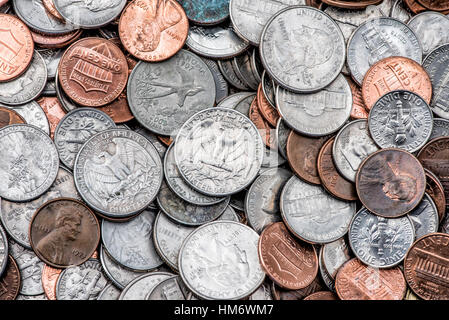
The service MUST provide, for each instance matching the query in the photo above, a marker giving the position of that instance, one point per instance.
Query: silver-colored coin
(109, 31)
(401, 11)
(16, 216)
(170, 289)
(163, 95)
(29, 162)
(28, 86)
(34, 15)
(377, 39)
(425, 217)
(352, 145)
(228, 71)
(66, 103)
(90, 14)
(140, 287)
(437, 67)
(282, 133)
(180, 187)
(262, 294)
(268, 88)
(319, 113)
(75, 128)
(256, 65)
(380, 242)
(110, 292)
(238, 200)
(185, 212)
(221, 86)
(401, 119)
(302, 49)
(244, 105)
(431, 29)
(118, 172)
(131, 243)
(168, 235)
(30, 268)
(4, 250)
(250, 17)
(244, 71)
(83, 282)
(50, 88)
(271, 159)
(220, 261)
(160, 147)
(262, 199)
(217, 42)
(440, 128)
(334, 255)
(33, 114)
(51, 58)
(219, 151)
(232, 101)
(327, 279)
(38, 297)
(314, 215)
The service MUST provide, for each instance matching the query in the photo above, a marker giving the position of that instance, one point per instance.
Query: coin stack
(224, 150)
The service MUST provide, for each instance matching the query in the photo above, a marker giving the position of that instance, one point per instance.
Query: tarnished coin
(170, 289)
(401, 119)
(334, 255)
(221, 85)
(435, 190)
(83, 282)
(352, 145)
(356, 281)
(9, 116)
(380, 242)
(377, 39)
(141, 286)
(206, 12)
(54, 112)
(425, 217)
(118, 172)
(302, 49)
(34, 115)
(10, 280)
(249, 18)
(163, 96)
(64, 232)
(4, 251)
(228, 71)
(130, 243)
(291, 264)
(312, 214)
(110, 292)
(319, 113)
(75, 128)
(390, 182)
(153, 30)
(26, 87)
(282, 294)
(440, 128)
(437, 5)
(219, 151)
(425, 267)
(207, 247)
(322, 295)
(29, 162)
(49, 278)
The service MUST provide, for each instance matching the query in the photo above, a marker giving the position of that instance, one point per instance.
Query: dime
(83, 282)
(262, 198)
(425, 217)
(322, 295)
(377, 39)
(64, 232)
(334, 255)
(26, 87)
(75, 128)
(332, 181)
(395, 73)
(163, 96)
(286, 49)
(8, 117)
(206, 12)
(401, 119)
(250, 17)
(153, 30)
(228, 71)
(93, 72)
(435, 190)
(49, 279)
(352, 145)
(130, 243)
(358, 106)
(170, 289)
(29, 162)
(356, 281)
(282, 294)
(430, 29)
(223, 171)
(110, 292)
(118, 173)
(425, 267)
(207, 246)
(316, 114)
(380, 242)
(440, 128)
(10, 280)
(268, 112)
(221, 85)
(33, 114)
(291, 264)
(282, 133)
(141, 286)
(311, 214)
(4, 249)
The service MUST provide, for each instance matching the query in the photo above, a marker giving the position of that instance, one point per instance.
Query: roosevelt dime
(440, 128)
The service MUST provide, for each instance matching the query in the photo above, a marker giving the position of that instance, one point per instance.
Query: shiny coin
(51, 58)
(49, 278)
(206, 12)
(54, 112)
(228, 71)
(264, 127)
(425, 217)
(110, 292)
(233, 100)
(334, 255)
(268, 112)
(139, 288)
(359, 110)
(221, 85)
(34, 115)
(170, 289)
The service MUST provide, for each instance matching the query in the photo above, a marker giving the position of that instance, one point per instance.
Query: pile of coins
(224, 149)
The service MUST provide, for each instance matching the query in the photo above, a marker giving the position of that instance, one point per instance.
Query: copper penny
(153, 30)
(50, 277)
(356, 281)
(118, 110)
(64, 232)
(414, 6)
(359, 110)
(322, 295)
(93, 72)
(10, 281)
(3, 2)
(266, 110)
(435, 5)
(290, 263)
(348, 4)
(16, 47)
(426, 267)
(435, 190)
(314, 3)
(50, 7)
(54, 111)
(165, 140)
(395, 73)
(282, 294)
(9, 116)
(302, 155)
(266, 131)
(54, 42)
(390, 182)
(332, 181)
